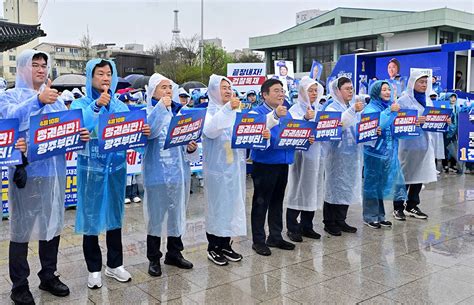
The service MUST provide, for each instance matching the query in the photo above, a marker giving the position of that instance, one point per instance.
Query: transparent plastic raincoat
(166, 173)
(224, 168)
(343, 159)
(305, 189)
(416, 154)
(37, 210)
(101, 178)
(383, 178)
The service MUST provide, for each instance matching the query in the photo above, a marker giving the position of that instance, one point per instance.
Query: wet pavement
(415, 262)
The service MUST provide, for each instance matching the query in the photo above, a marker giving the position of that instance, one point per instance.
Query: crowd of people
(330, 176)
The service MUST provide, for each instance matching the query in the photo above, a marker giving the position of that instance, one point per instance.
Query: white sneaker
(137, 199)
(127, 201)
(119, 273)
(95, 280)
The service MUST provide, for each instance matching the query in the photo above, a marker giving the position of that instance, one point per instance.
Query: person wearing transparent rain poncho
(305, 189)
(343, 170)
(383, 178)
(224, 172)
(166, 179)
(101, 178)
(36, 189)
(416, 154)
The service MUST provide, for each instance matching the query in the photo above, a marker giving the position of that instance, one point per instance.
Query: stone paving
(415, 262)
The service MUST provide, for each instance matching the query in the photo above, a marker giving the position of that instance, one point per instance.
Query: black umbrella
(132, 77)
(123, 83)
(192, 85)
(140, 82)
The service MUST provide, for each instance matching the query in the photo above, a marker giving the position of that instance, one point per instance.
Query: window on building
(320, 52)
(351, 19)
(446, 37)
(73, 50)
(286, 54)
(59, 50)
(327, 23)
(349, 46)
(61, 63)
(74, 64)
(12, 57)
(12, 70)
(465, 37)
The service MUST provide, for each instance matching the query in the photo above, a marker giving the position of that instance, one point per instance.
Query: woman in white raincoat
(417, 154)
(343, 174)
(37, 208)
(224, 172)
(166, 179)
(305, 187)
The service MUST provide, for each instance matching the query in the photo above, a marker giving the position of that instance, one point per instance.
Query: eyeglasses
(39, 67)
(279, 91)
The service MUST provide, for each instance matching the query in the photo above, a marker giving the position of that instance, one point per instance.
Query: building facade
(67, 59)
(20, 12)
(349, 30)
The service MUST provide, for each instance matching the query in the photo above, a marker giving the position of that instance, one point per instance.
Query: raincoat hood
(154, 81)
(90, 67)
(24, 79)
(303, 97)
(416, 75)
(336, 93)
(214, 92)
(375, 94)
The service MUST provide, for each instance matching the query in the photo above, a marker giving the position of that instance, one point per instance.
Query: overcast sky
(234, 21)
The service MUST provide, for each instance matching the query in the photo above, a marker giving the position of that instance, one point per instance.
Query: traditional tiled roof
(13, 35)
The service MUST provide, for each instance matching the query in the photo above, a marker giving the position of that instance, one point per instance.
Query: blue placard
(466, 137)
(55, 134)
(8, 137)
(70, 198)
(245, 106)
(294, 134)
(367, 127)
(121, 131)
(247, 132)
(328, 126)
(316, 70)
(436, 119)
(4, 192)
(185, 128)
(405, 123)
(442, 104)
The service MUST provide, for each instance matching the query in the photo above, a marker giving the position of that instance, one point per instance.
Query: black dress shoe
(346, 228)
(335, 231)
(293, 236)
(178, 261)
(55, 287)
(311, 234)
(281, 244)
(262, 249)
(154, 269)
(22, 296)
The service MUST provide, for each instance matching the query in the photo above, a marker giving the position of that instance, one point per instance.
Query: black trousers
(334, 214)
(269, 181)
(18, 262)
(306, 220)
(93, 255)
(217, 242)
(174, 246)
(413, 199)
(131, 191)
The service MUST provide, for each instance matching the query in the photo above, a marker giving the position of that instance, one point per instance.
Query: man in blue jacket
(270, 175)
